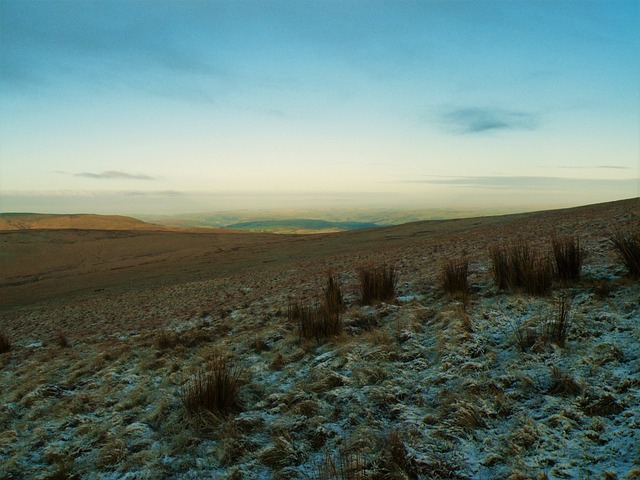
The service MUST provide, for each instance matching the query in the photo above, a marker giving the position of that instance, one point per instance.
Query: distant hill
(28, 221)
(299, 225)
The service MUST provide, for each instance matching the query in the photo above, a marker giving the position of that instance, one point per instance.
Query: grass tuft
(557, 329)
(316, 322)
(348, 464)
(568, 257)
(521, 268)
(501, 267)
(5, 343)
(377, 283)
(455, 276)
(166, 340)
(333, 301)
(214, 390)
(626, 244)
(563, 384)
(320, 321)
(61, 340)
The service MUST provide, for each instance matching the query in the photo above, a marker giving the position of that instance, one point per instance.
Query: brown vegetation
(626, 244)
(5, 343)
(568, 257)
(377, 283)
(520, 267)
(455, 276)
(214, 390)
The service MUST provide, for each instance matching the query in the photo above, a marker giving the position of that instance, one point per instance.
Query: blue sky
(181, 106)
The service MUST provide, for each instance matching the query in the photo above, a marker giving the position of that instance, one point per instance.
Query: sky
(153, 106)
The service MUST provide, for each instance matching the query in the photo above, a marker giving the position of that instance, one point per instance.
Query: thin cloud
(605, 167)
(469, 120)
(114, 175)
(525, 182)
(153, 193)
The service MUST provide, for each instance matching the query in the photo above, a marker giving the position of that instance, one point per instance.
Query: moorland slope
(109, 331)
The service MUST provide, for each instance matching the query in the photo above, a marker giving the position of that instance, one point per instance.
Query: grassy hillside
(27, 221)
(387, 353)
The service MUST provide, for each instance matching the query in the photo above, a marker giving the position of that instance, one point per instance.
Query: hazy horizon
(117, 107)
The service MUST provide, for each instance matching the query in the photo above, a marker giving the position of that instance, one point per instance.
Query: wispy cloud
(114, 175)
(525, 182)
(599, 167)
(469, 120)
(153, 193)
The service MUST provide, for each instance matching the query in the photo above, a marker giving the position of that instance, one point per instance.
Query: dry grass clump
(214, 390)
(320, 321)
(557, 329)
(521, 268)
(61, 340)
(395, 461)
(315, 322)
(166, 340)
(501, 268)
(526, 337)
(600, 405)
(333, 301)
(554, 331)
(562, 383)
(568, 257)
(626, 244)
(377, 283)
(455, 276)
(347, 464)
(5, 343)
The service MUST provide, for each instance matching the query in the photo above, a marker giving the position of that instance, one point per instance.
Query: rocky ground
(427, 385)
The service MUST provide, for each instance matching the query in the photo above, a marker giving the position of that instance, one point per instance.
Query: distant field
(313, 221)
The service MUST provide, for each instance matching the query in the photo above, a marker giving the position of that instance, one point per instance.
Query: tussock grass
(455, 275)
(501, 268)
(626, 244)
(525, 337)
(333, 300)
(5, 343)
(552, 331)
(521, 268)
(347, 464)
(320, 321)
(562, 383)
(557, 329)
(61, 340)
(166, 340)
(214, 390)
(568, 257)
(315, 321)
(377, 283)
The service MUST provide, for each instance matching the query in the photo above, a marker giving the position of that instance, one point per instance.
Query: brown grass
(166, 340)
(562, 383)
(5, 343)
(568, 257)
(455, 276)
(347, 464)
(626, 244)
(320, 321)
(557, 329)
(521, 268)
(316, 322)
(61, 340)
(377, 283)
(333, 301)
(214, 390)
